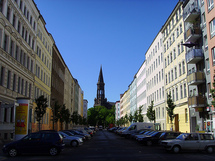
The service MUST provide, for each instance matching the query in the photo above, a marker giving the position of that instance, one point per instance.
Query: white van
(138, 126)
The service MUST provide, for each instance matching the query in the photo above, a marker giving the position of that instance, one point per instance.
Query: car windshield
(154, 133)
(182, 136)
(68, 133)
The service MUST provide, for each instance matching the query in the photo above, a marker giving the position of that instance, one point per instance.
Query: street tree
(75, 118)
(55, 113)
(140, 116)
(40, 110)
(170, 108)
(135, 117)
(64, 116)
(151, 113)
(130, 118)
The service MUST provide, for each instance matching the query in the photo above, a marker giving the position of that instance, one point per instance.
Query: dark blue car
(40, 142)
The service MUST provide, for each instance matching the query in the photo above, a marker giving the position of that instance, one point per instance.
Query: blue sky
(113, 33)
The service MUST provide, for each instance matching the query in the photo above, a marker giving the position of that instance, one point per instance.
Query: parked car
(87, 136)
(142, 134)
(71, 134)
(133, 136)
(89, 131)
(167, 135)
(39, 142)
(71, 140)
(150, 139)
(190, 141)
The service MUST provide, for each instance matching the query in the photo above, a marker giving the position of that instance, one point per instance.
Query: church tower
(100, 99)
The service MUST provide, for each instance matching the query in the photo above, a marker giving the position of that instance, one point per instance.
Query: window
(180, 69)
(213, 55)
(168, 59)
(172, 74)
(186, 115)
(212, 28)
(181, 89)
(182, 47)
(8, 13)
(2, 76)
(210, 4)
(179, 49)
(180, 28)
(185, 90)
(1, 6)
(8, 79)
(175, 72)
(176, 93)
(162, 73)
(173, 95)
(209, 89)
(26, 88)
(183, 67)
(207, 66)
(19, 86)
(5, 42)
(169, 77)
(14, 82)
(171, 57)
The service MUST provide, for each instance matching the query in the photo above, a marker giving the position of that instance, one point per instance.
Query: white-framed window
(210, 4)
(213, 55)
(212, 28)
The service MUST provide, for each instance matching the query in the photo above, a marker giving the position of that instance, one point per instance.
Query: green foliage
(130, 118)
(64, 115)
(170, 108)
(100, 115)
(135, 117)
(40, 110)
(140, 116)
(75, 118)
(150, 112)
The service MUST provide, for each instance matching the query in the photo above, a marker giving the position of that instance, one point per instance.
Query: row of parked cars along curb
(171, 141)
(48, 141)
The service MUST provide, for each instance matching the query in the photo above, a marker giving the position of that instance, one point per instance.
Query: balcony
(192, 34)
(194, 56)
(191, 12)
(195, 78)
(196, 101)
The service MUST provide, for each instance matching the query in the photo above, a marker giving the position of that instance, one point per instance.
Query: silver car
(71, 140)
(191, 141)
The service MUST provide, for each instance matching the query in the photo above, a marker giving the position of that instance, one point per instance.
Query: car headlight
(80, 139)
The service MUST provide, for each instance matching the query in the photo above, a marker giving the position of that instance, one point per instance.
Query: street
(106, 146)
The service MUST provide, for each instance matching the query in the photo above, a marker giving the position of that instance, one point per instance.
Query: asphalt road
(106, 146)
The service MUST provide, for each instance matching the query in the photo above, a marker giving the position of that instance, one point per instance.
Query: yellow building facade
(43, 67)
(175, 69)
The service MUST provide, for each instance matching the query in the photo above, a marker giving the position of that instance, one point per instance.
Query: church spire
(100, 80)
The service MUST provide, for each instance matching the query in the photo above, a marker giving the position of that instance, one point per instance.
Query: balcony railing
(196, 78)
(191, 12)
(192, 34)
(194, 56)
(196, 101)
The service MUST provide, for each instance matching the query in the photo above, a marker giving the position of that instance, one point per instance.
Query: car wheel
(149, 143)
(210, 149)
(53, 151)
(74, 143)
(176, 149)
(12, 152)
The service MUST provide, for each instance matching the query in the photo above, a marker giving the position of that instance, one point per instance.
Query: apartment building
(133, 96)
(210, 45)
(117, 110)
(18, 30)
(141, 89)
(175, 68)
(85, 102)
(155, 80)
(197, 59)
(43, 67)
(125, 103)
